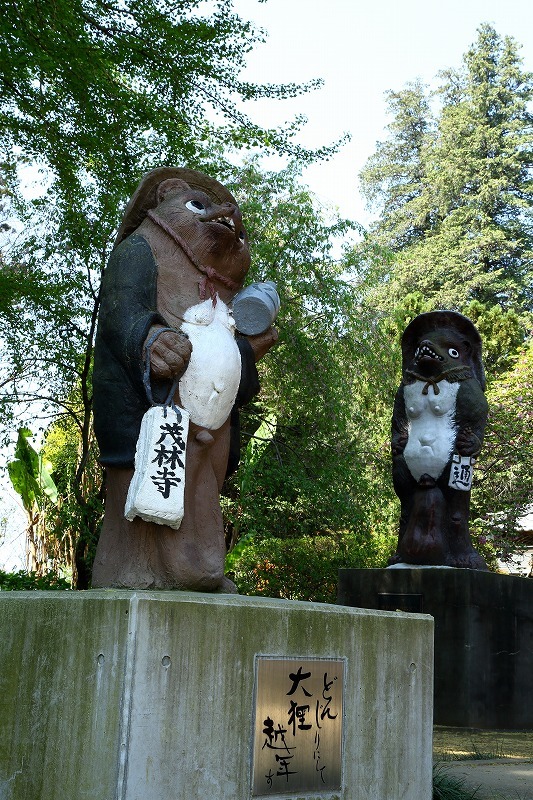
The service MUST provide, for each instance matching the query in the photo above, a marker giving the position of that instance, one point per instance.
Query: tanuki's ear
(170, 187)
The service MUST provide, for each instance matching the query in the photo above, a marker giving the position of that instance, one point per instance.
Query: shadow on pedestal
(483, 637)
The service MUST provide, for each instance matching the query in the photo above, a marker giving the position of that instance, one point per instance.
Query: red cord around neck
(210, 274)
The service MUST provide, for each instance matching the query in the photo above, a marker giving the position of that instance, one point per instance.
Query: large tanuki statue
(166, 338)
(438, 422)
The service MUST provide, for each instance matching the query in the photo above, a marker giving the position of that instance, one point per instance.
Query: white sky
(13, 525)
(362, 49)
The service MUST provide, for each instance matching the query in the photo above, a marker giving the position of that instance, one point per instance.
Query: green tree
(318, 471)
(502, 332)
(394, 176)
(504, 487)
(30, 474)
(73, 524)
(49, 321)
(305, 568)
(93, 94)
(100, 91)
(458, 215)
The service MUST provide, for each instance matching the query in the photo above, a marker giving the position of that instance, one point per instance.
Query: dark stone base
(483, 637)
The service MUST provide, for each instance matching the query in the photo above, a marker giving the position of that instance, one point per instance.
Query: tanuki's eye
(453, 352)
(195, 206)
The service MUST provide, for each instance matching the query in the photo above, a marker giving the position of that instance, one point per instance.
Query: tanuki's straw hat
(145, 195)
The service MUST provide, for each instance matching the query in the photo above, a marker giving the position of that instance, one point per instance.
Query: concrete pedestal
(116, 695)
(483, 637)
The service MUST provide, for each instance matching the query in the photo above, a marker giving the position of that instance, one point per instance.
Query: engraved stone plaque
(298, 725)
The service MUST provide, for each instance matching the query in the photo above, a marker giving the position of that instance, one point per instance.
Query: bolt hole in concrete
(165, 661)
(100, 658)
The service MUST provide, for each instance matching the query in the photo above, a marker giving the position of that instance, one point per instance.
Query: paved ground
(502, 768)
(499, 779)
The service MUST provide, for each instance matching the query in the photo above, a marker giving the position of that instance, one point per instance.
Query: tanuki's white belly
(210, 383)
(432, 427)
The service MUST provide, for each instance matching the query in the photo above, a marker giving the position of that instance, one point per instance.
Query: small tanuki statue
(439, 417)
(169, 378)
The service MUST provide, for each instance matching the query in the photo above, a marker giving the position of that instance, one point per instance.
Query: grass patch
(447, 787)
(456, 744)
(476, 753)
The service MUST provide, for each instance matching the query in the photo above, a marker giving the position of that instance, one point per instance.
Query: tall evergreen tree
(466, 234)
(455, 231)
(395, 174)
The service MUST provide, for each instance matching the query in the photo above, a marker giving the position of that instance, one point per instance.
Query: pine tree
(466, 233)
(455, 231)
(396, 172)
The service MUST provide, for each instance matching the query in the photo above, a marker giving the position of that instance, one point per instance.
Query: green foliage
(94, 94)
(396, 170)
(63, 515)
(24, 581)
(99, 91)
(318, 470)
(503, 332)
(30, 473)
(456, 190)
(304, 568)
(73, 526)
(504, 485)
(448, 787)
(251, 456)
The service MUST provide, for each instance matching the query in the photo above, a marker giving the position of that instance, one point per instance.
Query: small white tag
(156, 492)
(461, 472)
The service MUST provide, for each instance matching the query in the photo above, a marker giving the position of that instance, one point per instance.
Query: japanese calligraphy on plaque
(461, 472)
(298, 725)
